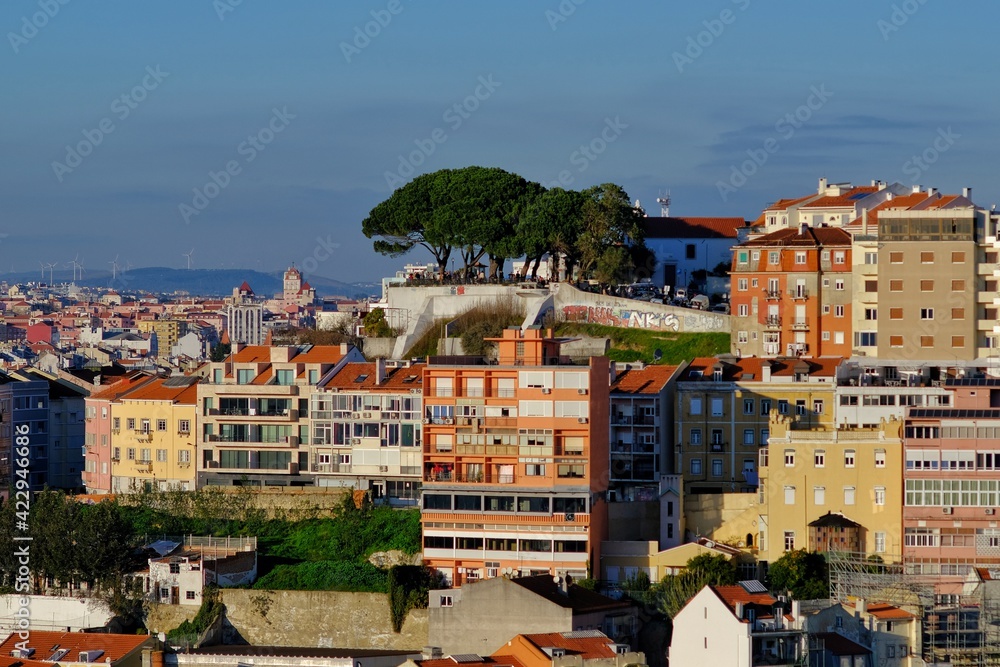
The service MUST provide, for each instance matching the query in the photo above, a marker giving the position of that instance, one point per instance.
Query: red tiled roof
(156, 391)
(848, 198)
(252, 354)
(785, 204)
(245, 287)
(901, 202)
(648, 380)
(733, 594)
(115, 647)
(123, 385)
(347, 376)
(586, 648)
(320, 354)
(497, 660)
(263, 376)
(813, 237)
(751, 368)
(688, 228)
(887, 612)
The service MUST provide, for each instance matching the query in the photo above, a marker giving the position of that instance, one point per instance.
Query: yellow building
(722, 412)
(168, 332)
(153, 436)
(826, 489)
(621, 561)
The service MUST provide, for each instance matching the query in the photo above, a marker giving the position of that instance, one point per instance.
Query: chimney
(739, 610)
(916, 189)
(765, 371)
(822, 186)
(967, 193)
(379, 370)
(796, 610)
(431, 653)
(931, 191)
(881, 185)
(802, 228)
(861, 605)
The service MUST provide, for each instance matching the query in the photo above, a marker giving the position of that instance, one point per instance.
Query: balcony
(717, 446)
(800, 325)
(772, 322)
(772, 294)
(799, 293)
(462, 478)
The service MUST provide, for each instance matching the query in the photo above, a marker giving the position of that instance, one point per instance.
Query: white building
(685, 245)
(180, 574)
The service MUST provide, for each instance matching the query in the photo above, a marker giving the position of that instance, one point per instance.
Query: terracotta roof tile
(887, 612)
(115, 647)
(125, 384)
(896, 203)
(813, 237)
(733, 594)
(785, 204)
(263, 376)
(677, 228)
(160, 390)
(586, 648)
(848, 198)
(648, 380)
(396, 379)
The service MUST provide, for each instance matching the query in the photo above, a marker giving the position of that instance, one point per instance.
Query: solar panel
(179, 381)
(583, 634)
(467, 657)
(753, 586)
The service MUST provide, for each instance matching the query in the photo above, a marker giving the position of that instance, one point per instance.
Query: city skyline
(235, 128)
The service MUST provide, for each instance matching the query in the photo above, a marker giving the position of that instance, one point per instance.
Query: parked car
(700, 302)
(721, 308)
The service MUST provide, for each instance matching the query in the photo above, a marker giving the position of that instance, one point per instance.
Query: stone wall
(166, 617)
(319, 618)
(573, 305)
(294, 502)
(723, 517)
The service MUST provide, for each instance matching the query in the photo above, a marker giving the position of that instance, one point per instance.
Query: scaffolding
(961, 630)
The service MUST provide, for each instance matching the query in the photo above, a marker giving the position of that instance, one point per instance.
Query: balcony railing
(798, 293)
(772, 294)
(481, 478)
(800, 325)
(772, 322)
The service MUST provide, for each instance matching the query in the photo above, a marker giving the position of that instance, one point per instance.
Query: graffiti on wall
(617, 315)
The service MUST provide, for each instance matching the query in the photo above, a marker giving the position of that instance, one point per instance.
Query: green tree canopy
(610, 224)
(707, 569)
(802, 573)
(552, 224)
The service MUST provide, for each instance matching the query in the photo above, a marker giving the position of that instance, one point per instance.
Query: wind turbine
(42, 264)
(75, 263)
(114, 268)
(49, 266)
(188, 255)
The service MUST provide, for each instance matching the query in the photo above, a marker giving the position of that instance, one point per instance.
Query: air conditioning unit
(582, 420)
(946, 510)
(449, 421)
(991, 510)
(414, 391)
(582, 392)
(546, 390)
(427, 421)
(570, 516)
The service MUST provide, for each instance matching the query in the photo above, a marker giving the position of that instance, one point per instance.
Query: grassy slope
(640, 344)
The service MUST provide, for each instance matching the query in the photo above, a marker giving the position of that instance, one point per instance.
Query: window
(958, 341)
(764, 436)
(865, 338)
(895, 341)
(691, 251)
(800, 257)
(879, 542)
(871, 285)
(782, 407)
(871, 258)
(848, 458)
(695, 466)
(848, 495)
(926, 257)
(116, 423)
(161, 455)
(446, 601)
(175, 568)
(765, 406)
(879, 458)
(742, 257)
(161, 424)
(895, 313)
(695, 405)
(742, 337)
(716, 407)
(826, 335)
(130, 424)
(789, 540)
(743, 310)
(789, 458)
(144, 426)
(838, 285)
(927, 313)
(184, 456)
(817, 406)
(748, 406)
(926, 285)
(696, 436)
(839, 257)
(748, 434)
(880, 495)
(957, 285)
(189, 595)
(927, 341)
(838, 311)
(789, 495)
(959, 258)
(819, 495)
(741, 285)
(774, 258)
(184, 425)
(819, 458)
(895, 258)
(800, 407)
(895, 285)
(130, 453)
(534, 470)
(838, 337)
(716, 467)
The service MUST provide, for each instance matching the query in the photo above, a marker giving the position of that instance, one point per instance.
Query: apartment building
(253, 412)
(642, 410)
(367, 421)
(830, 489)
(723, 410)
(168, 332)
(951, 480)
(792, 293)
(833, 205)
(24, 405)
(66, 426)
(97, 430)
(153, 436)
(515, 461)
(870, 391)
(245, 316)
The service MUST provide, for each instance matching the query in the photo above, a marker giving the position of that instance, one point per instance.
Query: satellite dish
(657, 354)
(557, 579)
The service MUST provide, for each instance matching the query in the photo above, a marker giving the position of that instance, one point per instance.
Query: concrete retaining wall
(574, 305)
(53, 613)
(319, 618)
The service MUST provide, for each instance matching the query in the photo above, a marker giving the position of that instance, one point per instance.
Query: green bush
(211, 608)
(325, 575)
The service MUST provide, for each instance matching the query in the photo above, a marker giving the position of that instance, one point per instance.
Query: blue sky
(688, 88)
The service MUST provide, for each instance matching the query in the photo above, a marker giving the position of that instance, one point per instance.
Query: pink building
(97, 459)
(951, 481)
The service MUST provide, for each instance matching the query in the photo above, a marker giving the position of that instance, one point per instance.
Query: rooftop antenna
(664, 201)
(188, 255)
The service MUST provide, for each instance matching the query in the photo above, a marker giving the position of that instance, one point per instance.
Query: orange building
(515, 461)
(792, 294)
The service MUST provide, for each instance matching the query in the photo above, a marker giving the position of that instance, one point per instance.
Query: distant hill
(201, 282)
